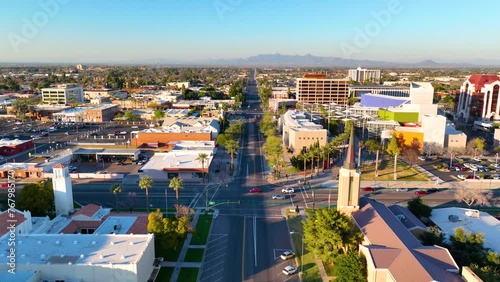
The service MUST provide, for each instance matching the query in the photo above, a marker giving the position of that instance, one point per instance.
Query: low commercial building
(63, 94)
(86, 258)
(276, 104)
(300, 132)
(455, 138)
(160, 138)
(386, 90)
(12, 147)
(101, 113)
(183, 163)
(70, 115)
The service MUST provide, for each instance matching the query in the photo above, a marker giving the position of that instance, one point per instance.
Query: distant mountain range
(279, 60)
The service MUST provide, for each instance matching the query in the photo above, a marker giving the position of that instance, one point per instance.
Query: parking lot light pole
(496, 158)
(302, 252)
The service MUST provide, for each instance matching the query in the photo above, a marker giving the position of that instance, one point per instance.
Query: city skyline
(116, 31)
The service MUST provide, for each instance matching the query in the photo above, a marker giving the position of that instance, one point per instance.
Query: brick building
(101, 113)
(12, 147)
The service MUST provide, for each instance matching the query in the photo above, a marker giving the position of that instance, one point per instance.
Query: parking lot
(468, 168)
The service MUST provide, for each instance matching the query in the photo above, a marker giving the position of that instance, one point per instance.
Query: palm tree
(146, 182)
(116, 189)
(306, 156)
(176, 184)
(202, 158)
(231, 147)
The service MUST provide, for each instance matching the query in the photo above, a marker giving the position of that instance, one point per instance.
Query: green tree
(223, 138)
(232, 147)
(467, 247)
(116, 189)
(329, 233)
(350, 267)
(306, 156)
(159, 114)
(393, 149)
(418, 208)
(169, 231)
(146, 182)
(38, 198)
(203, 159)
(479, 144)
(176, 183)
(431, 237)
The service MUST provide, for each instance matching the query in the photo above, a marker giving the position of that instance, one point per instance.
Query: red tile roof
(479, 80)
(6, 220)
(140, 226)
(73, 226)
(393, 247)
(88, 210)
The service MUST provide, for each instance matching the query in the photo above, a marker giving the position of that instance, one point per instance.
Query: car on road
(255, 190)
(287, 255)
(287, 190)
(401, 189)
(52, 130)
(16, 135)
(278, 197)
(422, 158)
(420, 193)
(476, 159)
(4, 185)
(289, 270)
(432, 190)
(368, 189)
(461, 176)
(18, 123)
(102, 172)
(36, 137)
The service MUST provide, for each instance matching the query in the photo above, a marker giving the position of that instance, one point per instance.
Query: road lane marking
(243, 250)
(255, 239)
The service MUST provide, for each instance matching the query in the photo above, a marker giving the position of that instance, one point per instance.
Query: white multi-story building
(479, 97)
(79, 257)
(300, 131)
(362, 75)
(62, 94)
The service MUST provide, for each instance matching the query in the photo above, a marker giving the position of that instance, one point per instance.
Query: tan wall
(101, 115)
(456, 141)
(164, 137)
(300, 139)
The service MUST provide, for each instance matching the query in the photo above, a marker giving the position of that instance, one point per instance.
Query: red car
(420, 193)
(4, 185)
(255, 190)
(368, 189)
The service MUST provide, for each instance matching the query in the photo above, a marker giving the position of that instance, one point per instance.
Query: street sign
(211, 203)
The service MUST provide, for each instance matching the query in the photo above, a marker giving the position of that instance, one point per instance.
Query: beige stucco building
(301, 132)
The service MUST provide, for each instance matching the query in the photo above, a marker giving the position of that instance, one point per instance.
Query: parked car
(278, 197)
(287, 255)
(287, 190)
(461, 176)
(255, 190)
(432, 190)
(368, 189)
(472, 176)
(401, 189)
(476, 159)
(289, 270)
(420, 193)
(422, 158)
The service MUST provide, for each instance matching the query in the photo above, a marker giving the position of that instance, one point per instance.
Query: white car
(477, 159)
(18, 123)
(461, 176)
(287, 190)
(422, 158)
(401, 189)
(36, 137)
(278, 197)
(287, 255)
(289, 270)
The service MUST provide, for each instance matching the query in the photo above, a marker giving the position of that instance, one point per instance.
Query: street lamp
(302, 252)
(313, 194)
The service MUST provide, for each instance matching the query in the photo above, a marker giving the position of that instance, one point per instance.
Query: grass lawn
(167, 254)
(164, 274)
(188, 274)
(194, 255)
(202, 229)
(386, 172)
(311, 271)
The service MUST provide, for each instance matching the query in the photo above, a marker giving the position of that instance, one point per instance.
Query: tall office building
(363, 75)
(317, 89)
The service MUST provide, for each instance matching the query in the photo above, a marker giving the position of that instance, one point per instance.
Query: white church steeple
(63, 190)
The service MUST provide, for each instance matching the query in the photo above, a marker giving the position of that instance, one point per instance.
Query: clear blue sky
(126, 30)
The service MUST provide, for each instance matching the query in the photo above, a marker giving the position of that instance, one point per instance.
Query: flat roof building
(96, 257)
(63, 94)
(317, 89)
(364, 75)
